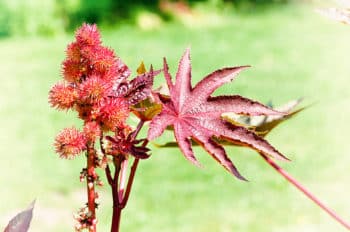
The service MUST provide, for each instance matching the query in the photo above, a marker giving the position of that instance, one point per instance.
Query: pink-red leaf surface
(196, 115)
(21, 222)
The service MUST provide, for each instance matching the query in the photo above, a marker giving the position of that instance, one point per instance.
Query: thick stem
(130, 182)
(118, 202)
(90, 180)
(138, 128)
(109, 175)
(131, 178)
(107, 169)
(119, 198)
(307, 193)
(116, 205)
(116, 219)
(123, 172)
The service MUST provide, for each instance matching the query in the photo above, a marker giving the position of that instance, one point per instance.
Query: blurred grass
(294, 53)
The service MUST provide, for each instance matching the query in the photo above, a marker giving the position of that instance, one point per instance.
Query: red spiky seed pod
(62, 96)
(73, 52)
(72, 71)
(112, 113)
(93, 89)
(69, 143)
(103, 59)
(84, 111)
(88, 35)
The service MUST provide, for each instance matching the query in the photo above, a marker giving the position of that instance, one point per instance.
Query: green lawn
(294, 53)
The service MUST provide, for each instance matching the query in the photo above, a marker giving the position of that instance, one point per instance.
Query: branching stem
(109, 175)
(116, 205)
(119, 192)
(90, 180)
(123, 172)
(130, 182)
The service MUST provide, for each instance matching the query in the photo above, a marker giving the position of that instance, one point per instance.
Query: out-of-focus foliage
(90, 11)
(29, 17)
(35, 17)
(252, 3)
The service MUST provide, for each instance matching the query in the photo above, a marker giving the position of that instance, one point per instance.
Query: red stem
(90, 180)
(109, 175)
(119, 201)
(123, 171)
(130, 182)
(138, 128)
(307, 193)
(131, 178)
(116, 219)
(107, 169)
(114, 187)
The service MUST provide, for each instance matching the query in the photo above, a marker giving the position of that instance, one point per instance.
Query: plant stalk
(307, 193)
(116, 211)
(120, 203)
(121, 195)
(116, 201)
(130, 182)
(123, 172)
(90, 180)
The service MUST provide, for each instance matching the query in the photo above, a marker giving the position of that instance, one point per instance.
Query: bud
(69, 143)
(112, 113)
(62, 96)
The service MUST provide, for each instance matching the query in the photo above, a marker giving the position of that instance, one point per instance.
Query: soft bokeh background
(294, 52)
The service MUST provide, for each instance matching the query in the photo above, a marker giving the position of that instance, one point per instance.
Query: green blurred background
(294, 53)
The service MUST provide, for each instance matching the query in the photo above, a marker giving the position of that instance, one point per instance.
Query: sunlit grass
(294, 53)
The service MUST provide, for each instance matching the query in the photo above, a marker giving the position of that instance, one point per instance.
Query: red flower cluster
(91, 72)
(95, 85)
(62, 96)
(70, 142)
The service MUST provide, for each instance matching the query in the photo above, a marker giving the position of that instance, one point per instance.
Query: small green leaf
(147, 109)
(141, 69)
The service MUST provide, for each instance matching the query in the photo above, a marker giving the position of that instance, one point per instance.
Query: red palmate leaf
(196, 115)
(262, 125)
(21, 222)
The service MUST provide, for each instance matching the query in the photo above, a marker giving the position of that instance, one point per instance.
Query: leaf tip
(235, 172)
(141, 69)
(240, 177)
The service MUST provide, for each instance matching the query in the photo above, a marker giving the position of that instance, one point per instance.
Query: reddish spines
(69, 143)
(91, 73)
(63, 96)
(88, 35)
(111, 113)
(72, 71)
(93, 89)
